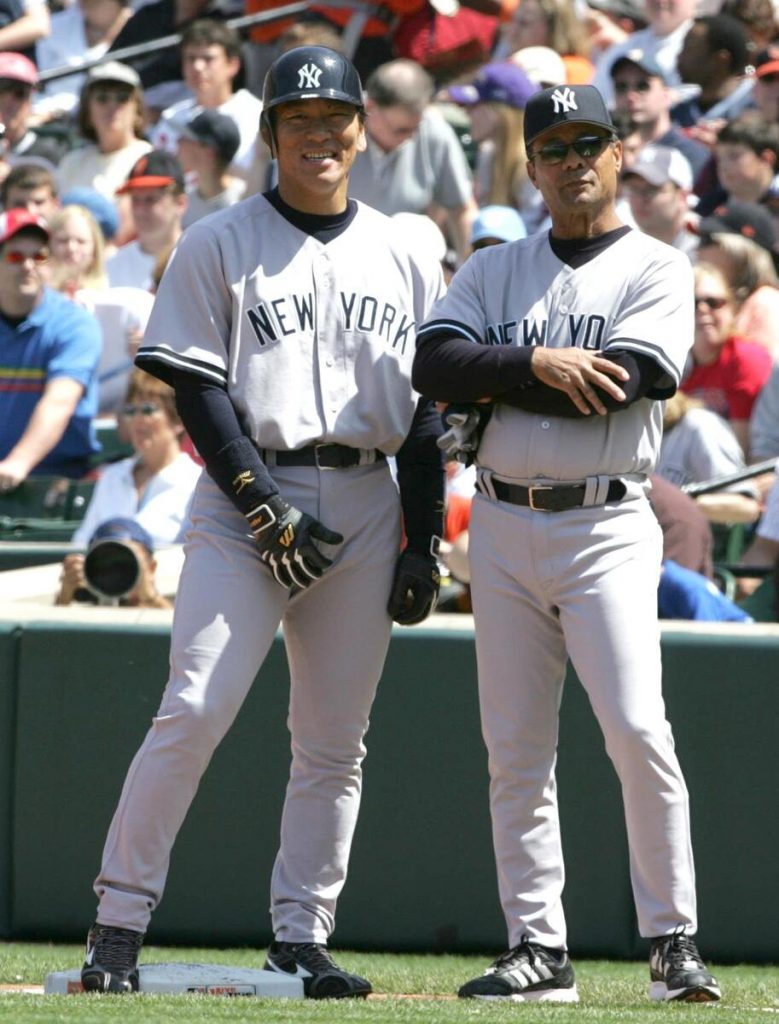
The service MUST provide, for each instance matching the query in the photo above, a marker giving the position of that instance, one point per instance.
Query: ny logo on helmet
(308, 76)
(564, 100)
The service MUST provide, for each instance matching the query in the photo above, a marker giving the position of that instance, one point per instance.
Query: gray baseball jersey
(310, 340)
(635, 295)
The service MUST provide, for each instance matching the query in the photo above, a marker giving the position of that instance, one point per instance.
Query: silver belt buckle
(530, 496)
(317, 448)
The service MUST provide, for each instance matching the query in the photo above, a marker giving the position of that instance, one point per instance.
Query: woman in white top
(112, 119)
(155, 485)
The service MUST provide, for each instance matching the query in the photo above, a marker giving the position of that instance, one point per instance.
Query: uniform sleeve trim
(160, 354)
(647, 348)
(450, 326)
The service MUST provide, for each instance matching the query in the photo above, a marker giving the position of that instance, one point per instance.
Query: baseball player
(286, 324)
(575, 336)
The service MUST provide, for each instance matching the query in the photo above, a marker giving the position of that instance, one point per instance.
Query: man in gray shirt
(414, 161)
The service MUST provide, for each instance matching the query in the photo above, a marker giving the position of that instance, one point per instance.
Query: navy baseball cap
(736, 217)
(122, 528)
(643, 60)
(155, 169)
(500, 82)
(565, 104)
(217, 131)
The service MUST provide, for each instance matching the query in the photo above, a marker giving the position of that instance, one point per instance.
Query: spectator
(158, 204)
(154, 486)
(102, 209)
(658, 187)
(22, 24)
(32, 187)
(494, 225)
(698, 446)
(551, 23)
(727, 372)
(496, 101)
(18, 79)
(83, 30)
(210, 60)
(206, 148)
(128, 532)
(160, 69)
(111, 118)
(764, 424)
(641, 89)
(764, 548)
(765, 90)
(78, 270)
(50, 353)
(414, 162)
(746, 153)
(662, 39)
(739, 238)
(758, 18)
(683, 594)
(687, 536)
(714, 57)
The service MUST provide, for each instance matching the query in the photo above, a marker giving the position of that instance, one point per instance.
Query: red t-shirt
(731, 385)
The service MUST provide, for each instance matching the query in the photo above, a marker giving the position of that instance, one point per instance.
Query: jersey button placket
(327, 339)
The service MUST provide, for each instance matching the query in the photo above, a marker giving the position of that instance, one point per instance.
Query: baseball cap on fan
(499, 82)
(541, 64)
(660, 164)
(16, 220)
(735, 217)
(767, 62)
(15, 67)
(217, 131)
(642, 60)
(154, 170)
(565, 104)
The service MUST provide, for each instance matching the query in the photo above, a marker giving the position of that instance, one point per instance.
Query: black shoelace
(315, 956)
(520, 952)
(681, 949)
(117, 949)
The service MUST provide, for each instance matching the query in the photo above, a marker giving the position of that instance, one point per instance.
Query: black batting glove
(415, 586)
(287, 539)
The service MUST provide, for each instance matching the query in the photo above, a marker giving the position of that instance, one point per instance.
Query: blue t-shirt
(58, 339)
(684, 594)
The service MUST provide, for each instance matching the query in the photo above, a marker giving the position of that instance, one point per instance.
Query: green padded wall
(422, 874)
(9, 636)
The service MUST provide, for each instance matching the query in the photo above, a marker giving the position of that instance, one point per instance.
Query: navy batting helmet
(309, 73)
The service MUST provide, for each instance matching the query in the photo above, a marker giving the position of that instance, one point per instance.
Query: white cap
(541, 64)
(659, 164)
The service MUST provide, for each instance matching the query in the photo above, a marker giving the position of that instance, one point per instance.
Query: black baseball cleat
(678, 972)
(528, 973)
(321, 975)
(111, 963)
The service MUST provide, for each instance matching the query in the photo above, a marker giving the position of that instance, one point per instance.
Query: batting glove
(287, 539)
(461, 441)
(415, 587)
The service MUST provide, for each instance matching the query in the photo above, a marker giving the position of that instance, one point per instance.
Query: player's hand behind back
(287, 539)
(578, 373)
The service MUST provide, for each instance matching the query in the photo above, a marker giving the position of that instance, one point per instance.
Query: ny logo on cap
(308, 76)
(564, 100)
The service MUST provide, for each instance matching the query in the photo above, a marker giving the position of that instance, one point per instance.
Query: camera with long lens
(112, 570)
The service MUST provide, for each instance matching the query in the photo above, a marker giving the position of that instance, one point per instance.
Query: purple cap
(501, 82)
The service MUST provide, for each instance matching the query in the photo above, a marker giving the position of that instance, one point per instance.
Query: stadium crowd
(105, 166)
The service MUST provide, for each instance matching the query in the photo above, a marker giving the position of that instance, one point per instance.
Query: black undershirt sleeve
(541, 398)
(232, 461)
(421, 478)
(448, 368)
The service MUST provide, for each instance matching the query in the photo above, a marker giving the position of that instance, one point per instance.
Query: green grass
(609, 992)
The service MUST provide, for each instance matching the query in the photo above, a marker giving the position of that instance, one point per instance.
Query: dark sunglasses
(587, 147)
(712, 301)
(111, 97)
(16, 257)
(18, 90)
(144, 408)
(623, 88)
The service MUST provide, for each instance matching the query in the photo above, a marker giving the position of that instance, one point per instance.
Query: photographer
(118, 568)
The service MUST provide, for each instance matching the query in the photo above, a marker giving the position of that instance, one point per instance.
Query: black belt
(550, 497)
(323, 456)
